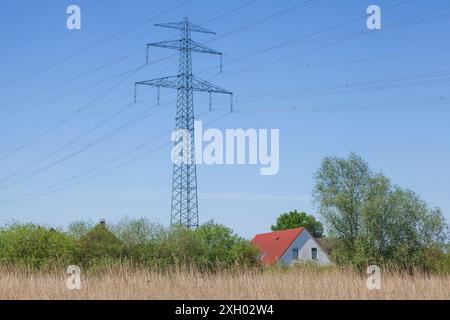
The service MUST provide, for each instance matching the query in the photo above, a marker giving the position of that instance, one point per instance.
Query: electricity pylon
(184, 208)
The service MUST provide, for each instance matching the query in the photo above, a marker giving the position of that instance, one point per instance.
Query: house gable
(279, 247)
(274, 245)
(305, 242)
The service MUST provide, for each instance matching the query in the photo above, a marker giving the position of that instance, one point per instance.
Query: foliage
(139, 238)
(295, 219)
(224, 247)
(137, 232)
(100, 245)
(210, 246)
(132, 242)
(377, 222)
(35, 247)
(79, 229)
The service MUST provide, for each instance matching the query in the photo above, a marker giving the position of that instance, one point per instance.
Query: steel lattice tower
(184, 208)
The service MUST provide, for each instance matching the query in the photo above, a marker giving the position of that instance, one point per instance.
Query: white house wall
(305, 242)
(305, 254)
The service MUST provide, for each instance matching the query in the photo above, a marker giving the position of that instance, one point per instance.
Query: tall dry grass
(299, 283)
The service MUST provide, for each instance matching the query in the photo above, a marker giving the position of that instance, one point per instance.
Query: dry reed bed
(277, 284)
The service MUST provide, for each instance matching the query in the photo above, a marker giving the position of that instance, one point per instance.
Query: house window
(295, 253)
(314, 253)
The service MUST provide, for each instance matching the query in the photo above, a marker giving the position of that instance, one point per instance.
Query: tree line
(369, 220)
(131, 242)
(364, 218)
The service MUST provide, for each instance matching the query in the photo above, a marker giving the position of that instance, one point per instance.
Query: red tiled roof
(274, 244)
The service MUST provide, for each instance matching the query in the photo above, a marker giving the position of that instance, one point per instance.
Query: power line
(374, 84)
(61, 122)
(52, 119)
(85, 87)
(70, 80)
(230, 12)
(272, 16)
(286, 43)
(268, 18)
(61, 114)
(37, 194)
(58, 24)
(284, 11)
(297, 6)
(70, 117)
(255, 23)
(363, 89)
(316, 91)
(362, 33)
(399, 55)
(53, 188)
(143, 116)
(265, 19)
(57, 85)
(78, 138)
(95, 45)
(411, 103)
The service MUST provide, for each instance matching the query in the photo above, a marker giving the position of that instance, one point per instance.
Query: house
(101, 243)
(288, 247)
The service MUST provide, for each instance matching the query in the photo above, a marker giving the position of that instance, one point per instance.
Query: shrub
(209, 247)
(35, 246)
(139, 237)
(100, 246)
(224, 247)
(376, 221)
(295, 219)
(79, 229)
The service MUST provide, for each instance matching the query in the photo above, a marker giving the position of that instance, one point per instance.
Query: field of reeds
(136, 260)
(297, 283)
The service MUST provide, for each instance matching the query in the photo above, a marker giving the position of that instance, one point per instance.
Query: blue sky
(382, 95)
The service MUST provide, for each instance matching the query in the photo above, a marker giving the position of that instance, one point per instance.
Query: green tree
(209, 247)
(341, 185)
(376, 221)
(136, 232)
(100, 247)
(224, 247)
(295, 219)
(78, 229)
(35, 247)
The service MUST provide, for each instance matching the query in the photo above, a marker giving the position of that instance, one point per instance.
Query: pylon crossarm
(180, 25)
(173, 83)
(174, 44)
(170, 25)
(196, 28)
(197, 47)
(180, 45)
(205, 86)
(166, 82)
